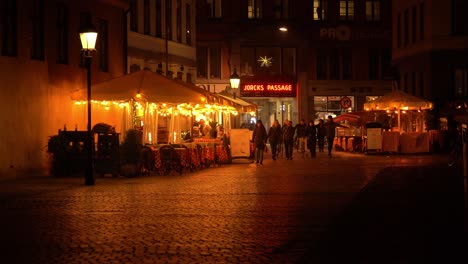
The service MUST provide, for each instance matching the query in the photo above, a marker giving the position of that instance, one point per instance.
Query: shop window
(373, 10)
(320, 10)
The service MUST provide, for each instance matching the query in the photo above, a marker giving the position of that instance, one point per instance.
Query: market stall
(150, 102)
(410, 126)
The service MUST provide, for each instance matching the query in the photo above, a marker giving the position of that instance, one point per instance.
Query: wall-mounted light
(234, 79)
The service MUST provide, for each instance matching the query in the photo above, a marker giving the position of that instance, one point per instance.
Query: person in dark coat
(301, 136)
(288, 139)
(321, 130)
(330, 127)
(311, 138)
(274, 136)
(259, 138)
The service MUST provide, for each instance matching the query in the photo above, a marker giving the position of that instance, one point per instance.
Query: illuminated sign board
(268, 89)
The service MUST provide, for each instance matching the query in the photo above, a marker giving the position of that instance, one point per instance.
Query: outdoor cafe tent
(398, 101)
(147, 94)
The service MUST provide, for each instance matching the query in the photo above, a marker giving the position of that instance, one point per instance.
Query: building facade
(430, 49)
(297, 59)
(161, 37)
(41, 65)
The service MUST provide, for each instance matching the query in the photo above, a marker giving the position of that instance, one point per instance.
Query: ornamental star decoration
(265, 61)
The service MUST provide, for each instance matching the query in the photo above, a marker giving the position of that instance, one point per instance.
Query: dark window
(346, 9)
(254, 9)
(8, 28)
(321, 65)
(146, 17)
(37, 19)
(214, 8)
(421, 84)
(347, 64)
(215, 63)
(179, 21)
(373, 64)
(413, 24)
(405, 82)
(169, 19)
(459, 11)
(461, 82)
(202, 62)
(188, 24)
(158, 19)
(281, 9)
(320, 9)
(335, 65)
(399, 31)
(373, 10)
(103, 41)
(62, 33)
(406, 28)
(421, 21)
(413, 83)
(133, 15)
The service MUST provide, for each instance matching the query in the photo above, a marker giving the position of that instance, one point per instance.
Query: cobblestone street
(239, 213)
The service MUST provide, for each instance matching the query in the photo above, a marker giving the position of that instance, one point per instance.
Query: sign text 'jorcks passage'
(268, 90)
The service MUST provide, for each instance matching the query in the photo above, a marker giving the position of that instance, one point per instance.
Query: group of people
(304, 135)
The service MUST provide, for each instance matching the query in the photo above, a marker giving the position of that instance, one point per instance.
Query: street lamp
(234, 80)
(88, 36)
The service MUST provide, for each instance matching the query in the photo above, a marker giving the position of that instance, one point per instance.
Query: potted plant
(131, 153)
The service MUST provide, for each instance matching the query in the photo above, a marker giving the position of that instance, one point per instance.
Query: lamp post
(234, 80)
(88, 36)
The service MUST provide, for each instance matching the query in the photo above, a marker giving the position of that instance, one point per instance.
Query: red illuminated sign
(268, 90)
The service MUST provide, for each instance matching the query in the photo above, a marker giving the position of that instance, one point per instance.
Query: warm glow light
(88, 36)
(138, 95)
(234, 79)
(283, 29)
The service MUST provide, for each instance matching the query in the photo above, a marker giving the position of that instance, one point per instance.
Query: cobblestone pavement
(281, 212)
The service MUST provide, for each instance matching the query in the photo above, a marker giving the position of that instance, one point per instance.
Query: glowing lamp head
(234, 79)
(88, 36)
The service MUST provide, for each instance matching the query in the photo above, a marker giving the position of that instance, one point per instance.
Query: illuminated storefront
(275, 99)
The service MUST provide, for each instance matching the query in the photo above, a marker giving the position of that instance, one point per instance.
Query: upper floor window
(372, 10)
(37, 20)
(188, 24)
(459, 10)
(214, 8)
(346, 9)
(8, 27)
(320, 9)
(267, 60)
(281, 9)
(103, 48)
(406, 28)
(179, 21)
(421, 21)
(133, 15)
(146, 17)
(169, 19)
(254, 9)
(62, 34)
(158, 19)
(209, 62)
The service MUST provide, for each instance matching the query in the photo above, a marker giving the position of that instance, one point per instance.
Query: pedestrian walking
(288, 140)
(274, 137)
(259, 138)
(330, 128)
(301, 136)
(312, 138)
(321, 131)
